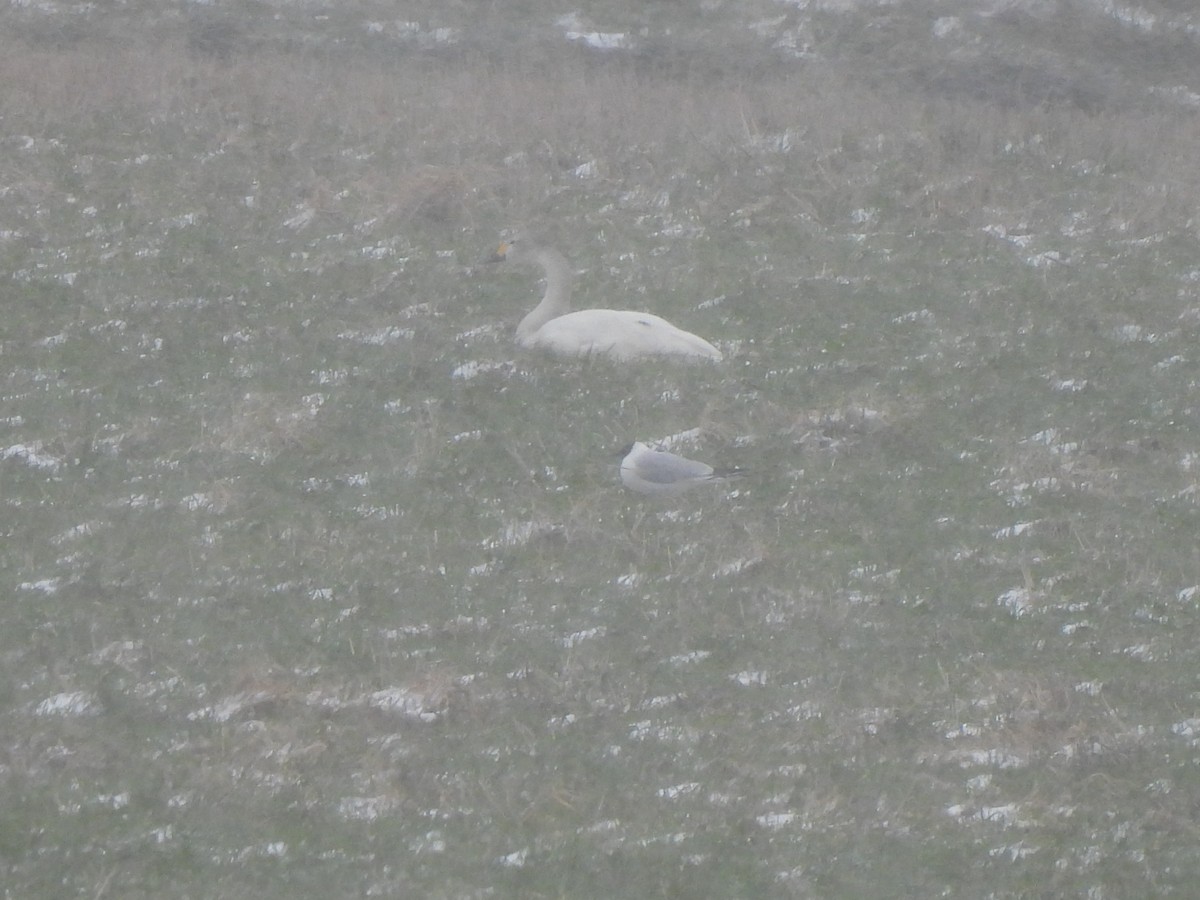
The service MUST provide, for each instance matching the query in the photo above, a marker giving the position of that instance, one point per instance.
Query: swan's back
(619, 334)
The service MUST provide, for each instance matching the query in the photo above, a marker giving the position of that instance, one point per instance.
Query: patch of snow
(439, 37)
(473, 369)
(141, 501)
(379, 337)
(1012, 530)
(113, 801)
(660, 702)
(1180, 93)
(809, 709)
(1127, 334)
(693, 656)
(1134, 16)
(746, 679)
(44, 585)
(417, 309)
(980, 782)
(377, 252)
(32, 456)
(736, 566)
(184, 220)
(432, 842)
(1000, 232)
(579, 637)
(330, 376)
(946, 26)
(69, 703)
(673, 441)
(365, 809)
(675, 734)
(407, 703)
(1018, 601)
(514, 860)
(1044, 259)
(1169, 362)
(558, 723)
(776, 820)
(766, 28)
(601, 40)
(921, 316)
(678, 790)
(780, 142)
(270, 850)
(1013, 852)
(994, 757)
(1046, 437)
(1188, 728)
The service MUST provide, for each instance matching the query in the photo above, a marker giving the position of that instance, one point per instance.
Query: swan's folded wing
(621, 334)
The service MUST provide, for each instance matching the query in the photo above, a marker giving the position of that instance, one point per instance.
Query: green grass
(316, 585)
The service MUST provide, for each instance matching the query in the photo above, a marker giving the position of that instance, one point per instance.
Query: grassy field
(315, 585)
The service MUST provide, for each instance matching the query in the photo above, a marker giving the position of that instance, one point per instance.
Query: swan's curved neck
(557, 299)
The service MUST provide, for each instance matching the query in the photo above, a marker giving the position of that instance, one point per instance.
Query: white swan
(616, 333)
(657, 472)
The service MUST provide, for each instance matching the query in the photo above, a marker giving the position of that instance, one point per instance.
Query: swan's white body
(663, 474)
(616, 333)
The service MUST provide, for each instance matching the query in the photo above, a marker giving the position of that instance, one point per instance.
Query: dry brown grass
(516, 130)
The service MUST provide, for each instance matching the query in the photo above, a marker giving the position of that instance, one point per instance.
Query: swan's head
(517, 248)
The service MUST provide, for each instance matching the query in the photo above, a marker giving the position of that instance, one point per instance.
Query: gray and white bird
(659, 473)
